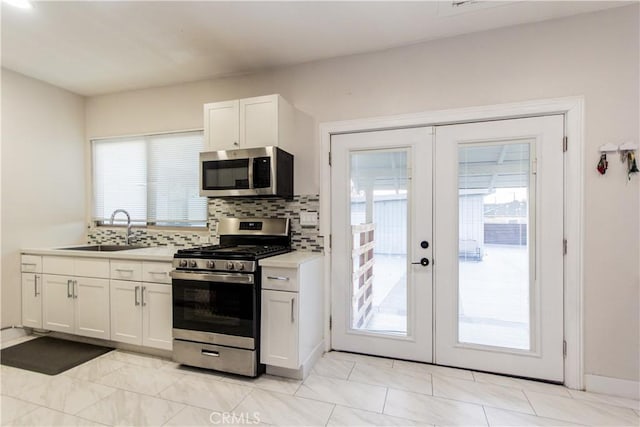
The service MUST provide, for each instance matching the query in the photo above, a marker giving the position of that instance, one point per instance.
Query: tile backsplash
(305, 238)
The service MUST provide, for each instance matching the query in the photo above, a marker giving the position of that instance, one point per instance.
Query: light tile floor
(121, 388)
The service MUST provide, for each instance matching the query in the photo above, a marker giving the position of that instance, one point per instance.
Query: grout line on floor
(330, 414)
(176, 414)
(26, 413)
(531, 404)
(486, 417)
(384, 405)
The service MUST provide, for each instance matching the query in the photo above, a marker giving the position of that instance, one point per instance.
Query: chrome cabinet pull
(35, 285)
(164, 273)
(124, 270)
(292, 315)
(135, 295)
(144, 288)
(278, 278)
(75, 289)
(69, 283)
(210, 353)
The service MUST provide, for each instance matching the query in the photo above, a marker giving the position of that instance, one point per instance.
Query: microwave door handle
(250, 173)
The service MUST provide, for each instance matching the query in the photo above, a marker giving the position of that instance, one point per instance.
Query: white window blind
(153, 177)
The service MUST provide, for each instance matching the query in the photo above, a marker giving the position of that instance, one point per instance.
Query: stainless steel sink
(103, 248)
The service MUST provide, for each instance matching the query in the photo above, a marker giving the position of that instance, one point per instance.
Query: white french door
(482, 204)
(381, 205)
(499, 246)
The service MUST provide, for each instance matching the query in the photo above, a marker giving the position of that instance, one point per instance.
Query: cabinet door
(126, 311)
(157, 316)
(259, 121)
(57, 303)
(92, 307)
(279, 341)
(32, 300)
(221, 125)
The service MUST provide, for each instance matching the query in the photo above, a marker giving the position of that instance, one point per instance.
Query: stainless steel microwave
(264, 171)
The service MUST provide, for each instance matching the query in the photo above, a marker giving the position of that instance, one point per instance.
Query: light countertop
(156, 253)
(290, 260)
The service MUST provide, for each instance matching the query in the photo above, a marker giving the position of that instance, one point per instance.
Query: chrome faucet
(129, 235)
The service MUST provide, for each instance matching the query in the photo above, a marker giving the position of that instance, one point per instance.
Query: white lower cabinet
(157, 315)
(126, 312)
(141, 313)
(31, 284)
(76, 305)
(92, 307)
(280, 314)
(32, 300)
(291, 315)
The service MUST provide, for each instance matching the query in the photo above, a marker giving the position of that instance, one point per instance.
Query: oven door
(215, 308)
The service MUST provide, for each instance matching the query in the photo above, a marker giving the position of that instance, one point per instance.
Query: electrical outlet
(308, 218)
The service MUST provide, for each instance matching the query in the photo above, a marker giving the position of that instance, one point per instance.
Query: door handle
(423, 262)
(293, 319)
(135, 295)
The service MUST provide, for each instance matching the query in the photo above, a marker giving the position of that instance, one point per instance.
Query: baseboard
(166, 354)
(11, 333)
(305, 368)
(612, 386)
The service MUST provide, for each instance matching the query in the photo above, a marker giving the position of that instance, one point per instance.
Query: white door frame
(573, 110)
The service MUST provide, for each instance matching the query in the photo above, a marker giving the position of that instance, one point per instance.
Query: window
(153, 177)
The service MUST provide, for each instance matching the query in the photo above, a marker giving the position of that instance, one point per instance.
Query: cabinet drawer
(157, 272)
(126, 270)
(227, 359)
(31, 264)
(58, 265)
(69, 266)
(91, 267)
(280, 279)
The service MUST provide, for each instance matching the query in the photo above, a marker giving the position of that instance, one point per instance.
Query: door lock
(423, 262)
(424, 244)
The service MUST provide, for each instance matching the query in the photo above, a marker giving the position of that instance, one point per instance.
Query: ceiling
(97, 47)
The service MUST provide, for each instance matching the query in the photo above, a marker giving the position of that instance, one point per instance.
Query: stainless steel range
(216, 295)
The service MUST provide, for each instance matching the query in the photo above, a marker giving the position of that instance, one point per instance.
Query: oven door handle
(214, 277)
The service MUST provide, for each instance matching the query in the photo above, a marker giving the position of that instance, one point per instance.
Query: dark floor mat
(50, 355)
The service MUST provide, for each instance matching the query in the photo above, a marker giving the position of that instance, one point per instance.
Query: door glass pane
(494, 190)
(379, 183)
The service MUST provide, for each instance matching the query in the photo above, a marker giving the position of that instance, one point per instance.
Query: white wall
(595, 55)
(43, 190)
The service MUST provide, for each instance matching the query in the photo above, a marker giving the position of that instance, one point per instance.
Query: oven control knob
(239, 266)
(183, 263)
(193, 264)
(211, 264)
(230, 266)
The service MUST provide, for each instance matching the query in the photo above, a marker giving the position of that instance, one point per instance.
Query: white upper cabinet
(248, 123)
(222, 125)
